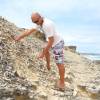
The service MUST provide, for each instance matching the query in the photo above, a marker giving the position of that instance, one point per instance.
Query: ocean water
(92, 57)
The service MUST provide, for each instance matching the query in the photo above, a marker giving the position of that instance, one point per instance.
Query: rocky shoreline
(23, 77)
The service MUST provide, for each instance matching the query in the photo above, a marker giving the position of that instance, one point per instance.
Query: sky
(78, 21)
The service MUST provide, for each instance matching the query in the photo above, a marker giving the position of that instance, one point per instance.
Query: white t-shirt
(48, 29)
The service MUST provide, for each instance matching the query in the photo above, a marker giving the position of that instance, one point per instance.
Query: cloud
(77, 20)
(82, 36)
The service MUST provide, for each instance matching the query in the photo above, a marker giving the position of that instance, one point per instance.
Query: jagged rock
(24, 77)
(83, 86)
(94, 90)
(43, 95)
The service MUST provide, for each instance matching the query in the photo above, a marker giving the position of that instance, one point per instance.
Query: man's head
(36, 18)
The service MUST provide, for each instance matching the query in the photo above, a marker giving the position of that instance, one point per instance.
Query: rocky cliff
(23, 77)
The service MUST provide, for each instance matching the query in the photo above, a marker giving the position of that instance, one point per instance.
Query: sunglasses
(36, 21)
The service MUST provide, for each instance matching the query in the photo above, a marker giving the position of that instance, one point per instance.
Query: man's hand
(24, 34)
(41, 55)
(16, 38)
(46, 48)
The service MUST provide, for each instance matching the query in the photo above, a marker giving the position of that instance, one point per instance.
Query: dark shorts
(58, 51)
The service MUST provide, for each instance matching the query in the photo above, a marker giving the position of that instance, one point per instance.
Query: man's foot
(60, 85)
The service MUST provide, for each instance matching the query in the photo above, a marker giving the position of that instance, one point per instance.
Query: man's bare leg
(61, 82)
(47, 56)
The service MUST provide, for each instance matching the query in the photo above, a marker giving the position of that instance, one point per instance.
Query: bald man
(54, 41)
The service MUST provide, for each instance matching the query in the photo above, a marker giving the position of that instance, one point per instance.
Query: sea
(92, 56)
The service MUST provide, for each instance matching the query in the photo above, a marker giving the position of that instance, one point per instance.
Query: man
(54, 41)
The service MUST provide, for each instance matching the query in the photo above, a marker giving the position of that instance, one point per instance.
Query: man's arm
(49, 44)
(46, 49)
(25, 33)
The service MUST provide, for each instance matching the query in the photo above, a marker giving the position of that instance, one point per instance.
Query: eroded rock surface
(24, 77)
